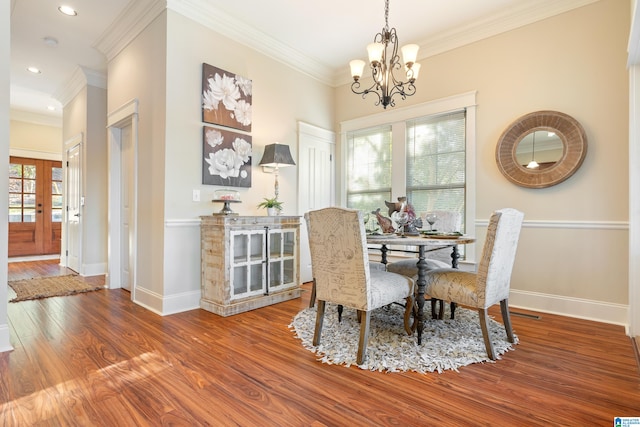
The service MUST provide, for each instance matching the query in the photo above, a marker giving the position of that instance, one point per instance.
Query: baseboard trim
(617, 314)
(167, 305)
(5, 341)
(33, 258)
(178, 303)
(94, 269)
(150, 300)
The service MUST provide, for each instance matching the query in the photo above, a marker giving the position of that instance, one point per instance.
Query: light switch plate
(196, 195)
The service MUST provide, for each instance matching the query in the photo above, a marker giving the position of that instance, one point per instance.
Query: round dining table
(424, 243)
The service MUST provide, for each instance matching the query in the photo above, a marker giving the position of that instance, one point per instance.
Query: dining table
(425, 243)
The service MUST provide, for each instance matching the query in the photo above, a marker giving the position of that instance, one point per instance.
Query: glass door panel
(35, 206)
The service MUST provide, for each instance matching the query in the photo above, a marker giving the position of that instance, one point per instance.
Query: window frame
(397, 119)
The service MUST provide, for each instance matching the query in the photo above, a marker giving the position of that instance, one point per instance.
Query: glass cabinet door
(247, 263)
(281, 258)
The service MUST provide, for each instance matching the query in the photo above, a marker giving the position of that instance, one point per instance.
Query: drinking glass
(402, 219)
(431, 219)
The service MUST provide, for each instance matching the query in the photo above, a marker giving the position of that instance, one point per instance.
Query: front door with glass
(35, 206)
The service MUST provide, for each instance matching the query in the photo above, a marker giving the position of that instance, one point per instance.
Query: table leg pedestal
(421, 284)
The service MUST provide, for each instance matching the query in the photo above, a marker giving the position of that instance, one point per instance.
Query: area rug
(446, 344)
(53, 286)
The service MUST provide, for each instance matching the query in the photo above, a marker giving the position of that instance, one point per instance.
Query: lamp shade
(277, 155)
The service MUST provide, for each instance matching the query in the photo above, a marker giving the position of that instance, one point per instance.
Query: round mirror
(541, 149)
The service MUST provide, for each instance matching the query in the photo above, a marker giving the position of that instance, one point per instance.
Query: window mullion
(399, 160)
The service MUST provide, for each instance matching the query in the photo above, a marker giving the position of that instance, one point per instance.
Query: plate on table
(451, 236)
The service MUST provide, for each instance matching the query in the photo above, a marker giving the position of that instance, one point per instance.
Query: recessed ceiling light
(67, 10)
(51, 108)
(50, 41)
(34, 70)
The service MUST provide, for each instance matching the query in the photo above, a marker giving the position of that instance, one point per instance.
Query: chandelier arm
(385, 84)
(372, 89)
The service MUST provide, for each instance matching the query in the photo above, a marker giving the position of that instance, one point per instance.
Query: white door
(126, 194)
(74, 207)
(316, 181)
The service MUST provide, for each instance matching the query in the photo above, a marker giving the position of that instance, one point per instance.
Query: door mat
(54, 286)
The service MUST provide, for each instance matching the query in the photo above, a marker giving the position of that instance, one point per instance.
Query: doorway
(35, 206)
(122, 257)
(316, 181)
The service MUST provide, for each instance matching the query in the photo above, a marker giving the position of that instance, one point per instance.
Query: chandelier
(384, 61)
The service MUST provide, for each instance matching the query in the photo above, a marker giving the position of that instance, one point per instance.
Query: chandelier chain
(386, 15)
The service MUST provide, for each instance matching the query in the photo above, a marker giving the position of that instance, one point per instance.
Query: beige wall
(34, 140)
(571, 247)
(162, 68)
(84, 119)
(139, 72)
(281, 97)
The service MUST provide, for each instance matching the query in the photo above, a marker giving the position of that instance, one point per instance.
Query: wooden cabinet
(248, 262)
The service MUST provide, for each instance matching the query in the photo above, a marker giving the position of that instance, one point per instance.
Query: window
(369, 168)
(22, 193)
(436, 163)
(425, 152)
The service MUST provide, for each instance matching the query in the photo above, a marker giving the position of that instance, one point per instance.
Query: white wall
(572, 256)
(5, 26)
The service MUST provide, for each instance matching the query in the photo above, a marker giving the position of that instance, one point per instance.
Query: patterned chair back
(339, 259)
(498, 256)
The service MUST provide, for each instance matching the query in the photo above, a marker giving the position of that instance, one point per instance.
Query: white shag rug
(446, 344)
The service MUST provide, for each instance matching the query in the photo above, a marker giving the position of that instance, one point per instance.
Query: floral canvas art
(226, 98)
(226, 158)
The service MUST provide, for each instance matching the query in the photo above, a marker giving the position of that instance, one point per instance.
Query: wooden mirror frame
(570, 132)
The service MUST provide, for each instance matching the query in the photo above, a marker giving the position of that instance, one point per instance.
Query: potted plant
(273, 206)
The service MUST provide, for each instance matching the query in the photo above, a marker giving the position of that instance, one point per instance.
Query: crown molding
(80, 78)
(140, 13)
(205, 13)
(126, 27)
(35, 118)
(509, 19)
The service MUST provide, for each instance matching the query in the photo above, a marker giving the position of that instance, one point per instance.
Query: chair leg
(484, 324)
(312, 299)
(340, 310)
(364, 336)
(319, 320)
(407, 314)
(506, 319)
(452, 306)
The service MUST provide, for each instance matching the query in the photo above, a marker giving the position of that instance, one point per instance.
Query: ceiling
(321, 36)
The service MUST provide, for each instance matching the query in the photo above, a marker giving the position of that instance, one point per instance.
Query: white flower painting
(226, 158)
(226, 98)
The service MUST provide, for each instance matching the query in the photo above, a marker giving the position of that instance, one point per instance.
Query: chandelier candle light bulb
(383, 61)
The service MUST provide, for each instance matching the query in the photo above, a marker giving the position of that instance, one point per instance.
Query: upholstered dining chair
(491, 283)
(340, 267)
(448, 221)
(312, 299)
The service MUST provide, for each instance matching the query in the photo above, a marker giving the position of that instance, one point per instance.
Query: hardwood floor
(96, 359)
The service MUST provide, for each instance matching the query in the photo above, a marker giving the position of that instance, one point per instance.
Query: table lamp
(276, 156)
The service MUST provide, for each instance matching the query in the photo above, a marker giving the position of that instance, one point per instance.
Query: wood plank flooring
(96, 359)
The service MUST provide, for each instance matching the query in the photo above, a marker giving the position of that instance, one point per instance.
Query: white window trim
(398, 182)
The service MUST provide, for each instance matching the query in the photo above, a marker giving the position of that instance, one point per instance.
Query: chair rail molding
(591, 225)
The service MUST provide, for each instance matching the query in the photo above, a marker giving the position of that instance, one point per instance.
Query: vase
(272, 211)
